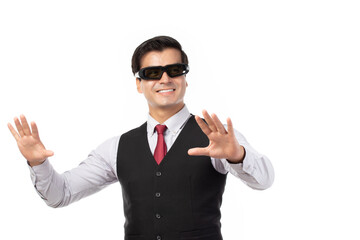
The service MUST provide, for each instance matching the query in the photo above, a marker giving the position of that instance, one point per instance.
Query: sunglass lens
(153, 73)
(175, 70)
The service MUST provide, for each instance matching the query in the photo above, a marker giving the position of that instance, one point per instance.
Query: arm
(256, 170)
(230, 152)
(92, 175)
(59, 190)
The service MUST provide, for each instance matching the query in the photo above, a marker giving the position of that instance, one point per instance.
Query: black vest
(178, 199)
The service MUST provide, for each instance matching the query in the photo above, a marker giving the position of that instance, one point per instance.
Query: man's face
(167, 92)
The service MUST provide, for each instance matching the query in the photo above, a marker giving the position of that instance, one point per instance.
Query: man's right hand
(28, 141)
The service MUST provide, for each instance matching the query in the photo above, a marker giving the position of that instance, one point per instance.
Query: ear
(138, 85)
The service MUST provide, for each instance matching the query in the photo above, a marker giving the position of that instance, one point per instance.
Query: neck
(163, 114)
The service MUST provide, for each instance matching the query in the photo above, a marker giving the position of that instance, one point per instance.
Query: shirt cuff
(247, 165)
(42, 171)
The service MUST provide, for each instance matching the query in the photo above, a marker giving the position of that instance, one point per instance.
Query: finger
(14, 132)
(230, 127)
(219, 125)
(35, 132)
(209, 121)
(25, 125)
(198, 152)
(19, 127)
(204, 127)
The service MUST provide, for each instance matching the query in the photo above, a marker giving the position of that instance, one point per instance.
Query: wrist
(33, 164)
(240, 156)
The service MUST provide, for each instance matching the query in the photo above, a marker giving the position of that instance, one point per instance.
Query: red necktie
(160, 149)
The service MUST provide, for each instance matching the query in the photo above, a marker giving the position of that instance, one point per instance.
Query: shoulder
(108, 144)
(134, 132)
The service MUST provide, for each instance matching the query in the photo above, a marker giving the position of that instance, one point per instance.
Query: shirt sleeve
(256, 170)
(93, 174)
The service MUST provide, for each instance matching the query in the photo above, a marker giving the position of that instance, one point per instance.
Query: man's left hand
(222, 142)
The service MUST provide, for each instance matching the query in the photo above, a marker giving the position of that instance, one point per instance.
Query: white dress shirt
(99, 169)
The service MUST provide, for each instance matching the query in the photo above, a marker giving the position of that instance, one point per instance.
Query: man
(172, 169)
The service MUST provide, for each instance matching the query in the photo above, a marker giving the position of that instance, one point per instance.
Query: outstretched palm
(29, 142)
(222, 142)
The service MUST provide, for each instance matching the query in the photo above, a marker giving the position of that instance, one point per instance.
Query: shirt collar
(173, 124)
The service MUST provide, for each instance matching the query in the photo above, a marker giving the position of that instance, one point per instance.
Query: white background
(286, 72)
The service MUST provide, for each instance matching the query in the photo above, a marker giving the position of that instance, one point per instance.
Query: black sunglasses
(155, 73)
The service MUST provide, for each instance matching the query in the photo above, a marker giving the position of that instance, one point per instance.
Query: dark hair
(158, 43)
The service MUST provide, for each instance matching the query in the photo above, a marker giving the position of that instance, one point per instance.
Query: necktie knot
(160, 128)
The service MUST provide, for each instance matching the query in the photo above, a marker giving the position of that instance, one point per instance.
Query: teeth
(169, 90)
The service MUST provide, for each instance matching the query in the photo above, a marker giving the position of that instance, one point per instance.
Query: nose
(165, 78)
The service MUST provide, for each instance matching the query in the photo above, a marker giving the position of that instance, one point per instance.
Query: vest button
(157, 216)
(158, 237)
(158, 174)
(157, 194)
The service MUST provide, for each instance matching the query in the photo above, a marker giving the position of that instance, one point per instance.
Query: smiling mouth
(166, 90)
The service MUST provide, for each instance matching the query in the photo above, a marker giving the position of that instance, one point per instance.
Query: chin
(165, 105)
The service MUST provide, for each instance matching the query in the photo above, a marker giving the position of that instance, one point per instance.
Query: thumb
(49, 153)
(198, 152)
